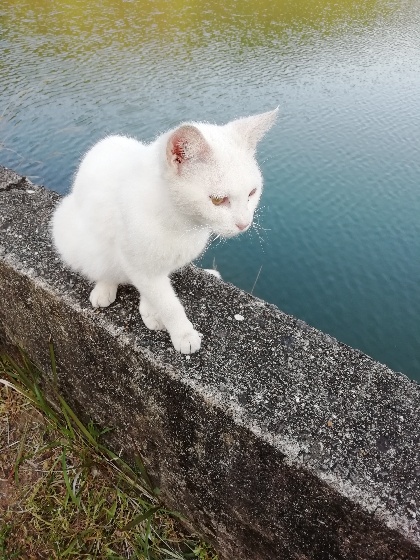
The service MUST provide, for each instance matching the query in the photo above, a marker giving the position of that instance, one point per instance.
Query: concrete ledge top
(328, 409)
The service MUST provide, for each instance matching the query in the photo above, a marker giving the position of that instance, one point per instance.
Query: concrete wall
(275, 440)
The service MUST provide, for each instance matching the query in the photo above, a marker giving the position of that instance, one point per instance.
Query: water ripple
(341, 243)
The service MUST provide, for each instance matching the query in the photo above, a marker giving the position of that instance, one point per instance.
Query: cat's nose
(241, 226)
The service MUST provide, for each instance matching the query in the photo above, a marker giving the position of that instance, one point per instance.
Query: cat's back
(112, 161)
(113, 151)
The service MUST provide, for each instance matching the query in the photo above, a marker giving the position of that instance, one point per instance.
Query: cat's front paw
(187, 342)
(150, 318)
(103, 294)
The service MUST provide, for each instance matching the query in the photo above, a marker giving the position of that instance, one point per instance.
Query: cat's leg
(160, 296)
(150, 318)
(103, 294)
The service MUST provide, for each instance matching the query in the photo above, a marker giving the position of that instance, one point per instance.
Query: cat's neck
(173, 217)
(160, 209)
(180, 223)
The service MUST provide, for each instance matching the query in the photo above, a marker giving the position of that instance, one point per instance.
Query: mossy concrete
(276, 441)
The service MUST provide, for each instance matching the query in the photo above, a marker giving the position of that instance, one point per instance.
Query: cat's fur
(137, 212)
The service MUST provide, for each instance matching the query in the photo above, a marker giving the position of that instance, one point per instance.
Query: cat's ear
(251, 129)
(186, 145)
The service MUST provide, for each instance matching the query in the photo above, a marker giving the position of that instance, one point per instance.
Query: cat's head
(213, 175)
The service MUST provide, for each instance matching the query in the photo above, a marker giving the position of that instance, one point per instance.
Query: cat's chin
(230, 233)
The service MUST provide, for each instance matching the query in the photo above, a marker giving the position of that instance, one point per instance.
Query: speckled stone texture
(276, 441)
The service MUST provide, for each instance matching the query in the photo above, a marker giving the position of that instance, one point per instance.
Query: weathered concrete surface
(277, 441)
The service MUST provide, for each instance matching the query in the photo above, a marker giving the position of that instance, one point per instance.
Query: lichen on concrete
(275, 440)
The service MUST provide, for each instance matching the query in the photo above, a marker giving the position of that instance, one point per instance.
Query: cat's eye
(252, 192)
(218, 200)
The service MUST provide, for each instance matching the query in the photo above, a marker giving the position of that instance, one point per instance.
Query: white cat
(138, 212)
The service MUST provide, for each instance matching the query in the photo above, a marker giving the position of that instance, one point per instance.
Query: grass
(64, 494)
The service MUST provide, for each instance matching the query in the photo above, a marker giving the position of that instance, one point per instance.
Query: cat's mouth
(233, 232)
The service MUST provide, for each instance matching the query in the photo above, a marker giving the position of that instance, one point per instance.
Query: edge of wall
(275, 440)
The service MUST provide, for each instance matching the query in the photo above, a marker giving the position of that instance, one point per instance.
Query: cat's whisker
(194, 228)
(257, 224)
(217, 238)
(259, 231)
(260, 238)
(258, 214)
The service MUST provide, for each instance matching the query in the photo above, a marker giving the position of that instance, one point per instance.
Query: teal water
(339, 237)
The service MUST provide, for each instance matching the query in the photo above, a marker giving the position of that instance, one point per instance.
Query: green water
(339, 237)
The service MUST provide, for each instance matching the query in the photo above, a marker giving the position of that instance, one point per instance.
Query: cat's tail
(67, 234)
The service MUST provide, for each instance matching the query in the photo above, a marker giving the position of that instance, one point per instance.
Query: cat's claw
(187, 342)
(103, 294)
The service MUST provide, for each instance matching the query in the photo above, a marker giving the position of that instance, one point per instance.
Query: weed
(64, 493)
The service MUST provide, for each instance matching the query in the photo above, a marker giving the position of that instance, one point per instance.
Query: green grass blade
(19, 372)
(69, 430)
(53, 364)
(143, 471)
(139, 518)
(111, 511)
(75, 499)
(85, 432)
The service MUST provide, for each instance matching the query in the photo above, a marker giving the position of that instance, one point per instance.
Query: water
(340, 246)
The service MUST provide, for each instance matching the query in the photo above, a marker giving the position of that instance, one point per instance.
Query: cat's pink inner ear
(186, 145)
